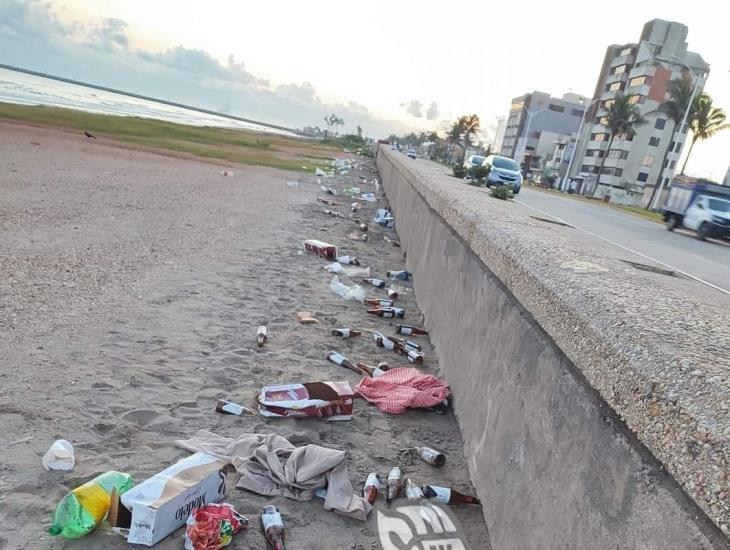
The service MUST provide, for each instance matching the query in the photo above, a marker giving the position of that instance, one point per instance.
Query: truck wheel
(671, 222)
(702, 231)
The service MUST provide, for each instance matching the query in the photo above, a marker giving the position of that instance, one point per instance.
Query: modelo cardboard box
(330, 400)
(160, 505)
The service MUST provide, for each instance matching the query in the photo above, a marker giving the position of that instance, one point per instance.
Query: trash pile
(190, 493)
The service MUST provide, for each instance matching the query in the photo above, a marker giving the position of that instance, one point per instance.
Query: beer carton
(326, 250)
(331, 400)
(160, 505)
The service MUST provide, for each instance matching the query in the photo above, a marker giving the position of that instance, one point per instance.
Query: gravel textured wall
(557, 464)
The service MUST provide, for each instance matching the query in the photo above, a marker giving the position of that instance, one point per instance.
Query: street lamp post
(577, 142)
(530, 115)
(681, 127)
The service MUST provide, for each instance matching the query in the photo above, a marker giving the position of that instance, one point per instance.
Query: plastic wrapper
(349, 271)
(213, 526)
(354, 292)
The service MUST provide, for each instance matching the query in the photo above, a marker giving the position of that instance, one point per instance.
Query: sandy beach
(131, 288)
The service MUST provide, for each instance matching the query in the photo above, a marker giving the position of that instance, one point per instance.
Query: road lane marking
(626, 248)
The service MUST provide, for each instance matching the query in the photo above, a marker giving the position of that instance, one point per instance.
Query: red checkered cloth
(403, 388)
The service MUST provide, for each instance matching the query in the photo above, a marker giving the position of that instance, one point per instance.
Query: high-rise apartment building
(535, 122)
(642, 71)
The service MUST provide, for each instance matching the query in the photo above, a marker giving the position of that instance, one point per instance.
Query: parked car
(412, 154)
(503, 171)
(472, 161)
(702, 207)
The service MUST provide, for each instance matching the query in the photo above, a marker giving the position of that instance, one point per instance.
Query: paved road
(681, 250)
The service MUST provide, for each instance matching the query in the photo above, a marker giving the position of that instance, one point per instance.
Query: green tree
(454, 136)
(359, 131)
(680, 92)
(706, 121)
(622, 119)
(469, 126)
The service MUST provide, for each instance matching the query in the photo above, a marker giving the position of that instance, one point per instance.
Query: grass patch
(239, 146)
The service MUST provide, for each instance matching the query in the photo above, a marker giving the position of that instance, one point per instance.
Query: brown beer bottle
(372, 487)
(346, 332)
(261, 335)
(273, 527)
(392, 294)
(431, 456)
(371, 371)
(383, 341)
(406, 344)
(378, 302)
(379, 283)
(408, 330)
(445, 495)
(394, 484)
(341, 360)
(388, 312)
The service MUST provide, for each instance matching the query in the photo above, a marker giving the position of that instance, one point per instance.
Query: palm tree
(706, 121)
(454, 136)
(622, 119)
(469, 126)
(680, 92)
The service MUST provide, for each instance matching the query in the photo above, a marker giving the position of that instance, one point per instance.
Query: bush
(478, 173)
(502, 192)
(459, 171)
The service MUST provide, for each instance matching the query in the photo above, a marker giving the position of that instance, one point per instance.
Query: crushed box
(152, 510)
(331, 400)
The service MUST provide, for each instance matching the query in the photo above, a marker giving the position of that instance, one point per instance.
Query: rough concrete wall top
(656, 348)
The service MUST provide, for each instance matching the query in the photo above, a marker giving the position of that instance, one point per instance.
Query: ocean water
(26, 89)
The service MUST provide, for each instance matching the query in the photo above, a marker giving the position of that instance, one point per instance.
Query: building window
(666, 181)
(654, 142)
(617, 154)
(614, 86)
(576, 112)
(607, 104)
(637, 99)
(666, 163)
(640, 80)
(660, 123)
(599, 137)
(648, 160)
(556, 108)
(643, 176)
(678, 148)
(625, 51)
(558, 159)
(671, 146)
(619, 70)
(611, 171)
(672, 164)
(603, 120)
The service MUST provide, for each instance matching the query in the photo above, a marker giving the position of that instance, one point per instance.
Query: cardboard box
(326, 250)
(152, 510)
(331, 400)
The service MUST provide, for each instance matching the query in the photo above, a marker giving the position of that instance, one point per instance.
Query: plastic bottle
(348, 260)
(273, 527)
(82, 509)
(228, 407)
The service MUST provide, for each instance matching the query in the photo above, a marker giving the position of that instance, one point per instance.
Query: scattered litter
(213, 526)
(373, 372)
(83, 508)
(333, 213)
(60, 456)
(409, 330)
(354, 292)
(413, 491)
(226, 173)
(391, 241)
(431, 456)
(445, 495)
(261, 335)
(268, 465)
(379, 302)
(348, 260)
(292, 184)
(273, 527)
(328, 190)
(355, 236)
(352, 191)
(327, 201)
(161, 504)
(402, 275)
(377, 283)
(372, 487)
(228, 407)
(19, 441)
(346, 332)
(394, 484)
(392, 293)
(384, 218)
(341, 360)
(388, 312)
(305, 318)
(369, 197)
(355, 206)
(403, 388)
(337, 267)
(326, 250)
(319, 173)
(331, 400)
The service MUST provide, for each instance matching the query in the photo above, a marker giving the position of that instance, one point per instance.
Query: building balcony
(642, 70)
(615, 162)
(622, 77)
(597, 145)
(609, 180)
(623, 60)
(592, 161)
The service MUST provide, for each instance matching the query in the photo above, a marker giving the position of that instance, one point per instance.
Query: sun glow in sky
(467, 56)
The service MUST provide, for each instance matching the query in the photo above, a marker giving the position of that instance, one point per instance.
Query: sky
(387, 65)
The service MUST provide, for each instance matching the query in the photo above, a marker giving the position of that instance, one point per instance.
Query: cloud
(433, 111)
(413, 108)
(33, 37)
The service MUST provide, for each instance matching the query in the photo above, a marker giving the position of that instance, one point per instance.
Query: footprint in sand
(145, 418)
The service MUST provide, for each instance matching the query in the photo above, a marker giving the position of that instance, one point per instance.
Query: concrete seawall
(556, 463)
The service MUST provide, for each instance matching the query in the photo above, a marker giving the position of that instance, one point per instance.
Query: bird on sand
(88, 135)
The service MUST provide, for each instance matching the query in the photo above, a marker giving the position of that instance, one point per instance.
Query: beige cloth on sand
(269, 465)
